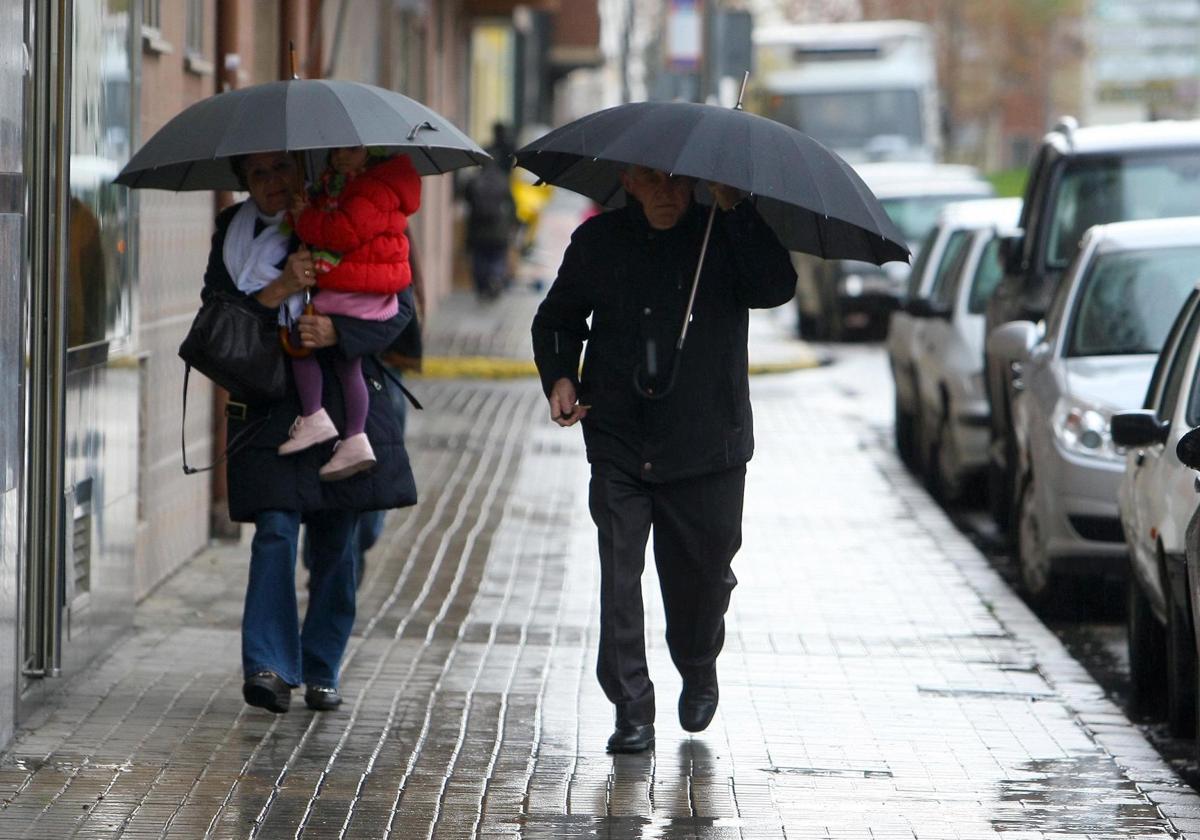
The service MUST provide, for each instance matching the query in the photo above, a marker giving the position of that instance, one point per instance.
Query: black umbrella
(192, 151)
(809, 196)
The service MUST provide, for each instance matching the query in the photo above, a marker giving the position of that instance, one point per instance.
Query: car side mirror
(1012, 341)
(1188, 448)
(1137, 429)
(1012, 255)
(926, 308)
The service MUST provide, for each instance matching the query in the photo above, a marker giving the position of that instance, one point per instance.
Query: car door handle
(1141, 459)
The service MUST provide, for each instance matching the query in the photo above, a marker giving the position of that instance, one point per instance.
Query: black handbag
(237, 349)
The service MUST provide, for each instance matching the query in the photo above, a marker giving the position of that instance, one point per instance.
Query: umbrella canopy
(192, 151)
(809, 196)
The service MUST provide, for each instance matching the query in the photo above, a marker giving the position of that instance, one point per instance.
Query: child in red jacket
(355, 225)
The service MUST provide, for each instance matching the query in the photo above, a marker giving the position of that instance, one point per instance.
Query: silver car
(941, 254)
(1092, 356)
(952, 406)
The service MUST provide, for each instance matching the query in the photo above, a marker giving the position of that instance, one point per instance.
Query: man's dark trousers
(697, 525)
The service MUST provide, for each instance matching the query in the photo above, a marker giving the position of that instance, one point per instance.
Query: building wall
(174, 232)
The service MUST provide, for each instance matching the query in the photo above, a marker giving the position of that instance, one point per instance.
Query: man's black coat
(633, 282)
(260, 479)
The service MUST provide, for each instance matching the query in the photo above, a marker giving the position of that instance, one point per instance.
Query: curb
(495, 367)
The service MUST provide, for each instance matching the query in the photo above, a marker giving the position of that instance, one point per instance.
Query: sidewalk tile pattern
(878, 681)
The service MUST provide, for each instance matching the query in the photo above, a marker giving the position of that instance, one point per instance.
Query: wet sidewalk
(879, 679)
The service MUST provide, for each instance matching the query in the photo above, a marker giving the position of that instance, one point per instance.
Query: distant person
(501, 148)
(491, 221)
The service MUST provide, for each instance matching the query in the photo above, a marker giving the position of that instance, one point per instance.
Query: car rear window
(916, 215)
(1129, 300)
(1098, 189)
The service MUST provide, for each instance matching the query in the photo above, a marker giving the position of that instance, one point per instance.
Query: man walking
(668, 434)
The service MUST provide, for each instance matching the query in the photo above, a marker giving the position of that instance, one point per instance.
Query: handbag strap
(240, 440)
(407, 393)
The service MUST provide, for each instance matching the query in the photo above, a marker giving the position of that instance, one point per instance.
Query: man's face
(664, 198)
(272, 178)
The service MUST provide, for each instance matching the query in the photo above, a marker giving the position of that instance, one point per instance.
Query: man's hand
(316, 331)
(563, 409)
(726, 197)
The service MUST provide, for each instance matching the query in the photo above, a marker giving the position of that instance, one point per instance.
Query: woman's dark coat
(633, 281)
(259, 479)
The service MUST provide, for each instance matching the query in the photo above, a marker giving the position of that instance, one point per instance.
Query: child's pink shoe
(308, 431)
(350, 456)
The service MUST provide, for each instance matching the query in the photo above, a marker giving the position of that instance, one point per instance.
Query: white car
(834, 296)
(1157, 499)
(947, 239)
(952, 406)
(1092, 356)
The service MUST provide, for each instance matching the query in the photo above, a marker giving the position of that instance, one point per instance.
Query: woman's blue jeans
(272, 636)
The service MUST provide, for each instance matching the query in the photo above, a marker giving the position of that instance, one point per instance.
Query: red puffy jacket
(365, 225)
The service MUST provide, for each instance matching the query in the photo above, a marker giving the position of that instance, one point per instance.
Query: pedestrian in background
(668, 444)
(491, 221)
(252, 258)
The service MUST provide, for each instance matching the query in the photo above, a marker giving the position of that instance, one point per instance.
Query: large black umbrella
(192, 151)
(809, 196)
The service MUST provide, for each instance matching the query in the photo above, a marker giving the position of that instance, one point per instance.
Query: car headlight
(852, 285)
(1084, 429)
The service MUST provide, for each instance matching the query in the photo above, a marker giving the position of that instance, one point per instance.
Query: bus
(867, 90)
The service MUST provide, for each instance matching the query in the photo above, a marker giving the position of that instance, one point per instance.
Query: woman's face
(272, 179)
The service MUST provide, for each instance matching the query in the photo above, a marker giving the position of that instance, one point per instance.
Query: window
(988, 274)
(1130, 299)
(951, 259)
(152, 38)
(195, 27)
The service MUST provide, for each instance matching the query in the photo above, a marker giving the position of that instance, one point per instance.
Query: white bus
(866, 90)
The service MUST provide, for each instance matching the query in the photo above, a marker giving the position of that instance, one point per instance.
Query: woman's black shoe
(268, 691)
(320, 698)
(631, 738)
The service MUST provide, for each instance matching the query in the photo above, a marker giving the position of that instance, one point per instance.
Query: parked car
(1079, 177)
(951, 403)
(1093, 355)
(833, 296)
(1157, 498)
(945, 242)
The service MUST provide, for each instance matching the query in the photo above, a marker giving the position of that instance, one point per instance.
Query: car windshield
(1101, 189)
(987, 277)
(1130, 299)
(916, 215)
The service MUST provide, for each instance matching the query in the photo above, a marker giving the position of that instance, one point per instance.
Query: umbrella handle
(285, 334)
(687, 314)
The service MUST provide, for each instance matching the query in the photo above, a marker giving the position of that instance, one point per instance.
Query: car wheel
(1180, 668)
(903, 430)
(1037, 577)
(945, 480)
(1147, 653)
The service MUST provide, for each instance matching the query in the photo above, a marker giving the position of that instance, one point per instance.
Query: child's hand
(299, 203)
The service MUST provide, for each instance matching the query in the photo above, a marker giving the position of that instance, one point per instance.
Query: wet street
(880, 678)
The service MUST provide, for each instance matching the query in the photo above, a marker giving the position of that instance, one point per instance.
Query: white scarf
(253, 261)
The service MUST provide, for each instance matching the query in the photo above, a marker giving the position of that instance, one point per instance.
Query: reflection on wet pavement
(1085, 795)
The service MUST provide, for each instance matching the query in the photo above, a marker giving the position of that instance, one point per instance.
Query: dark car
(1080, 177)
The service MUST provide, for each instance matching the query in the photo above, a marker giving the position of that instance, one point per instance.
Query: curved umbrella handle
(285, 333)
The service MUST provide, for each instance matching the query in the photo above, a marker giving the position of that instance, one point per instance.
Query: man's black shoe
(631, 738)
(698, 703)
(267, 690)
(321, 698)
